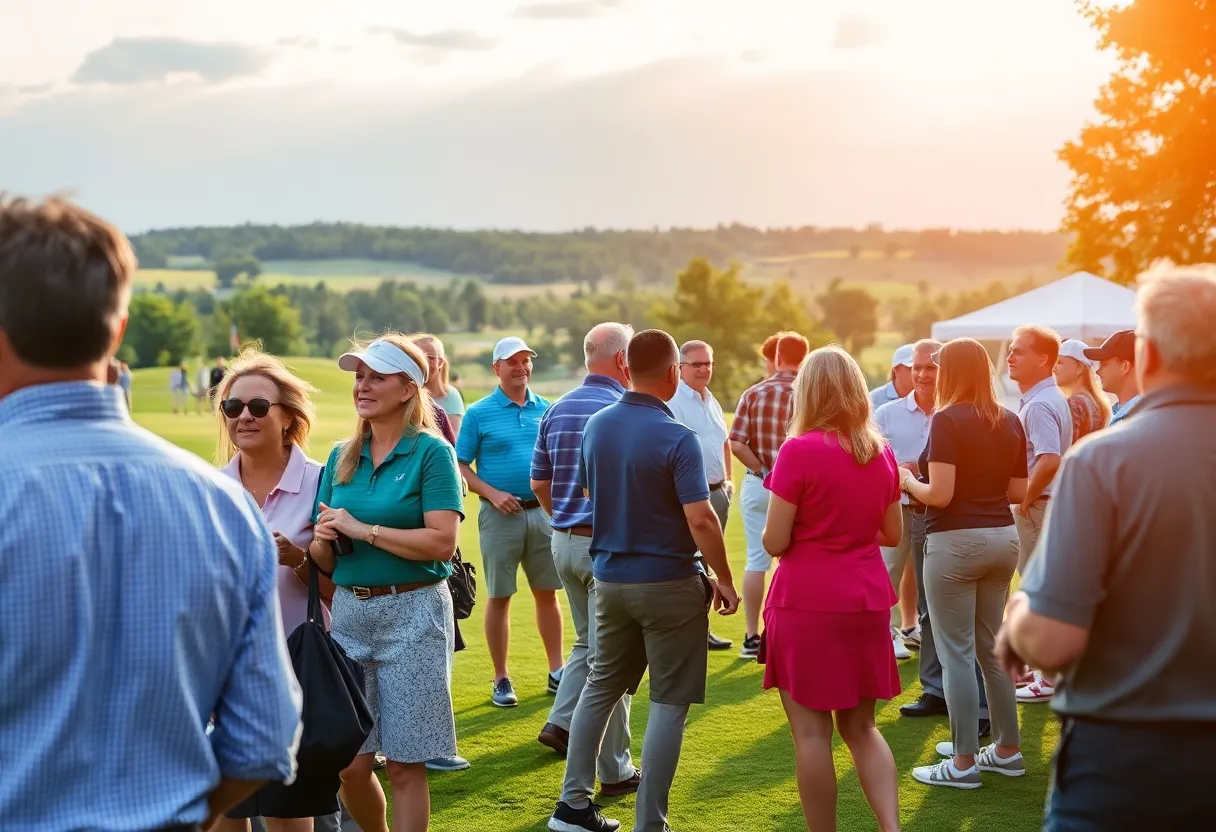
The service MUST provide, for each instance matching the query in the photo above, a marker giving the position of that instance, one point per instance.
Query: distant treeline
(587, 256)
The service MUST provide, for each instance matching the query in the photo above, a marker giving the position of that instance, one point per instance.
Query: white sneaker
(988, 760)
(897, 644)
(1040, 690)
(945, 774)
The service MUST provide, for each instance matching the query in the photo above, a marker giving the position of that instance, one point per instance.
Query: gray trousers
(573, 562)
(1029, 528)
(967, 575)
(929, 668)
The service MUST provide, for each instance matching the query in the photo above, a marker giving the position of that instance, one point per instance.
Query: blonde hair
(1089, 385)
(964, 376)
(830, 395)
(293, 397)
(417, 414)
(443, 379)
(1175, 307)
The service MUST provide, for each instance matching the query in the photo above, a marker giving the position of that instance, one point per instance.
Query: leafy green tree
(733, 316)
(228, 270)
(850, 312)
(160, 331)
(268, 318)
(1144, 173)
(473, 301)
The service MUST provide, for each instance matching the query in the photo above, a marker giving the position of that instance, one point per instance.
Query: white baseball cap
(903, 356)
(509, 346)
(1072, 348)
(383, 357)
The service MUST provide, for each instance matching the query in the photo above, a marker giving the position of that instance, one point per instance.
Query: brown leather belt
(364, 593)
(524, 505)
(578, 531)
(717, 486)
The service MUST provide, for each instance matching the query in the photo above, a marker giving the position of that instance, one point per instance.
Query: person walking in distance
(1117, 369)
(827, 643)
(498, 435)
(762, 420)
(654, 534)
(695, 407)
(158, 609)
(1120, 596)
(555, 481)
(1047, 422)
(900, 383)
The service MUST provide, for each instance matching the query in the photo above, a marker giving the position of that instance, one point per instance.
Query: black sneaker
(926, 705)
(985, 728)
(751, 647)
(567, 819)
(555, 679)
(504, 693)
(716, 643)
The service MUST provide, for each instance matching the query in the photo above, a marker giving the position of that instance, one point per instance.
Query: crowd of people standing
(896, 519)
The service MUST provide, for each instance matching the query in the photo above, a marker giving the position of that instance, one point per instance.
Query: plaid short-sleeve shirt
(762, 418)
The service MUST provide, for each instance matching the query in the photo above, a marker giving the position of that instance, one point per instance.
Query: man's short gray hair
(1175, 308)
(926, 344)
(606, 340)
(689, 346)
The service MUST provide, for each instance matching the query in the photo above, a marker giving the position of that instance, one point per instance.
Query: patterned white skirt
(404, 643)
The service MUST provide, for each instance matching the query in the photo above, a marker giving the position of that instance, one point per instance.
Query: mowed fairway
(737, 767)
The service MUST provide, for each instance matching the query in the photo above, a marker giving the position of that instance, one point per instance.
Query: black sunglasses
(258, 408)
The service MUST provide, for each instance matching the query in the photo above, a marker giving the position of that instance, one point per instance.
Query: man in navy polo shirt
(645, 476)
(497, 435)
(555, 479)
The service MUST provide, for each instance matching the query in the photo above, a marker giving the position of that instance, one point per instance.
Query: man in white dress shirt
(696, 408)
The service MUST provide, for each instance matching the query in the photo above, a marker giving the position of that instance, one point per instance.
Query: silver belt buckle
(361, 593)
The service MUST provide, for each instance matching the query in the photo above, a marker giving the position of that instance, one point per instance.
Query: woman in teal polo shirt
(394, 490)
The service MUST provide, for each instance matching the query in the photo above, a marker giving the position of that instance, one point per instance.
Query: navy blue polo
(641, 468)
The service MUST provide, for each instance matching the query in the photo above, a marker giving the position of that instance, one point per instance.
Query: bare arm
(455, 422)
(939, 491)
(1045, 467)
(1017, 490)
(501, 500)
(745, 455)
(227, 794)
(728, 459)
(543, 489)
(778, 525)
(436, 540)
(1050, 645)
(707, 534)
(892, 531)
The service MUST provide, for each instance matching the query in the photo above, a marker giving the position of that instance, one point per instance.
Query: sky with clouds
(547, 114)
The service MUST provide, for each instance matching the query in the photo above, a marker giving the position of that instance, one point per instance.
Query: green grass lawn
(737, 766)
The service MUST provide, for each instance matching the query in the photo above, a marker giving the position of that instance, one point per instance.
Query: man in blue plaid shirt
(139, 590)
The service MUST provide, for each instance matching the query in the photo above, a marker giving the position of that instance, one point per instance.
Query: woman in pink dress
(827, 640)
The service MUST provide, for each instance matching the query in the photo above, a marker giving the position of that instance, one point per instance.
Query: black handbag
(336, 715)
(463, 586)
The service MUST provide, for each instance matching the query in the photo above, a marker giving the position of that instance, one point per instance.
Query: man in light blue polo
(900, 384)
(1047, 421)
(497, 436)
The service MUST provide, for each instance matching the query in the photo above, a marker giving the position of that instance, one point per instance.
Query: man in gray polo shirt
(1121, 596)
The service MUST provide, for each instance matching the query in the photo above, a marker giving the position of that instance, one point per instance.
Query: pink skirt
(829, 661)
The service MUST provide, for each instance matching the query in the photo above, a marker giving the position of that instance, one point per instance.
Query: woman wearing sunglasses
(393, 490)
(265, 415)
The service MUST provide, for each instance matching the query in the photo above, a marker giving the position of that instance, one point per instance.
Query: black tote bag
(335, 715)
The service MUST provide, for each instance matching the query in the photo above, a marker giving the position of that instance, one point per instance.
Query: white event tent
(1081, 306)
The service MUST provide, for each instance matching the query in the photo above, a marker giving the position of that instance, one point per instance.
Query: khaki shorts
(663, 626)
(509, 541)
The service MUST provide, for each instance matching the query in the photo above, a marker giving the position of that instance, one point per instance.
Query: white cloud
(138, 60)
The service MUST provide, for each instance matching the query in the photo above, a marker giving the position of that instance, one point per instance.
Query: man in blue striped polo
(497, 436)
(555, 467)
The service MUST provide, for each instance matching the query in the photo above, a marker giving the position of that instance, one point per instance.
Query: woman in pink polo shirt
(265, 415)
(827, 642)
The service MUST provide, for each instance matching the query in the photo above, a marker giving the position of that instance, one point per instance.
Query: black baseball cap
(1121, 345)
